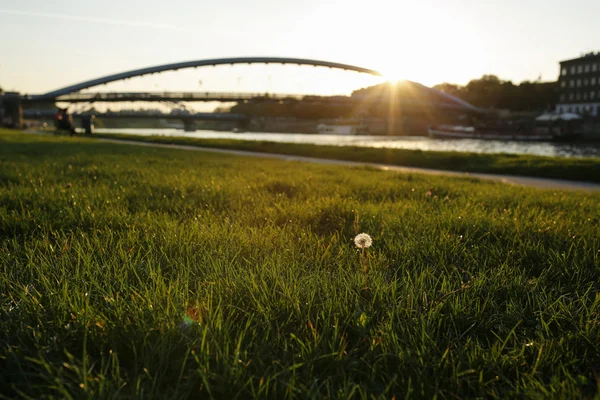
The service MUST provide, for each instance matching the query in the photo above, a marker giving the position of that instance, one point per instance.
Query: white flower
(363, 241)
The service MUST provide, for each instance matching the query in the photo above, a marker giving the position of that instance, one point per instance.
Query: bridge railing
(50, 114)
(174, 96)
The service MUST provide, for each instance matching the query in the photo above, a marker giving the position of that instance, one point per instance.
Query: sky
(45, 45)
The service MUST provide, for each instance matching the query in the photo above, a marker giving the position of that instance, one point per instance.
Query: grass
(155, 273)
(576, 169)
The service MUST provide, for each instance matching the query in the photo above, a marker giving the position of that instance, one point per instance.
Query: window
(580, 69)
(586, 82)
(585, 95)
(571, 83)
(594, 67)
(563, 84)
(562, 97)
(563, 72)
(570, 96)
(578, 96)
(593, 81)
(592, 95)
(578, 82)
(587, 67)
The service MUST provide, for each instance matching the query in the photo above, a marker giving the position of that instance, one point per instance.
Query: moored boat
(546, 127)
(342, 129)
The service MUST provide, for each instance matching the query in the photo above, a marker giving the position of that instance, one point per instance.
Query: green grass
(155, 273)
(575, 168)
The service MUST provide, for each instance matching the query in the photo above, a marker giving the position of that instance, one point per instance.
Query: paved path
(543, 183)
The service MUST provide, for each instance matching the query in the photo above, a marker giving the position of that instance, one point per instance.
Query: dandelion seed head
(363, 241)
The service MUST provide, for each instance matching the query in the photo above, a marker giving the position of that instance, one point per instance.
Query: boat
(565, 126)
(547, 127)
(342, 129)
(487, 133)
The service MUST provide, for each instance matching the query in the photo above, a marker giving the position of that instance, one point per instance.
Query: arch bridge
(72, 93)
(200, 63)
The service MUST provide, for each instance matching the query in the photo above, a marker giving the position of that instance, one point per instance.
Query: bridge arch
(204, 63)
(232, 61)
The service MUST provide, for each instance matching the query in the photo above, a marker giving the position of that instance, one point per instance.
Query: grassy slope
(578, 169)
(151, 272)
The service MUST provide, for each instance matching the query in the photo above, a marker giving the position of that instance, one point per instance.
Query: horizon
(83, 41)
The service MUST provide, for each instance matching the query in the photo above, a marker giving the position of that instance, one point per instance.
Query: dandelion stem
(364, 265)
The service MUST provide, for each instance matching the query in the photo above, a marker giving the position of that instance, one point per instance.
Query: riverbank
(130, 270)
(573, 168)
(542, 183)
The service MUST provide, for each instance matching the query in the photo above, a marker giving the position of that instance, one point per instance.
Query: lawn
(574, 168)
(158, 273)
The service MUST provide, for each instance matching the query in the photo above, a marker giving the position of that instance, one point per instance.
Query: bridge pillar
(189, 125)
(87, 123)
(13, 111)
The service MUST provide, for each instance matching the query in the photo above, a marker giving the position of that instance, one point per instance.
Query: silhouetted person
(64, 121)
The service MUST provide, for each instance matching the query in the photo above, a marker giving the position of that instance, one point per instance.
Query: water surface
(389, 142)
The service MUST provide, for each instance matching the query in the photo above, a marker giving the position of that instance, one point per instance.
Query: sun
(393, 75)
(393, 67)
(434, 55)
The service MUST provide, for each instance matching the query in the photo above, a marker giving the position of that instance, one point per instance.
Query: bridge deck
(49, 114)
(174, 96)
(427, 100)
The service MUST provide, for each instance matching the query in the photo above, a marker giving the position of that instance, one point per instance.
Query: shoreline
(498, 167)
(542, 183)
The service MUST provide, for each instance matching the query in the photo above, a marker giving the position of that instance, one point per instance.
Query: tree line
(489, 91)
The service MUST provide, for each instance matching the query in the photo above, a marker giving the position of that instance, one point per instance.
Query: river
(390, 142)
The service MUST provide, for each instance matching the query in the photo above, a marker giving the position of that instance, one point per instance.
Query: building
(579, 82)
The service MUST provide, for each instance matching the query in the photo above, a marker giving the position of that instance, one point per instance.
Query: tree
(450, 88)
(489, 91)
